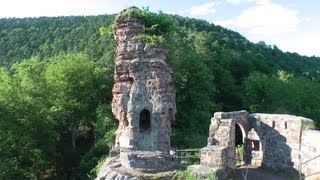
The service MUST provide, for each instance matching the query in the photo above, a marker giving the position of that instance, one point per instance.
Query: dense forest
(56, 78)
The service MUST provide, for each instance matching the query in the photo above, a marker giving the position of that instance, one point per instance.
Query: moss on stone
(307, 124)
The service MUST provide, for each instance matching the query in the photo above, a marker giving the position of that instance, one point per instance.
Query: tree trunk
(73, 137)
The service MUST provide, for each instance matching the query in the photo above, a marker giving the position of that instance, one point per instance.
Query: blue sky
(292, 25)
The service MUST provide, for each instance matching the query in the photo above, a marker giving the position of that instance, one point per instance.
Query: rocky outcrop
(143, 97)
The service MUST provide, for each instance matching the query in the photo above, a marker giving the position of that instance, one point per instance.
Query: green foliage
(156, 25)
(46, 37)
(295, 95)
(193, 102)
(106, 31)
(105, 126)
(255, 90)
(189, 156)
(212, 175)
(96, 169)
(184, 175)
(239, 150)
(194, 96)
(132, 12)
(47, 115)
(27, 131)
(104, 129)
(152, 40)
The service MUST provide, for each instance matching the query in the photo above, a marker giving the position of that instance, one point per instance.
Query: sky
(291, 25)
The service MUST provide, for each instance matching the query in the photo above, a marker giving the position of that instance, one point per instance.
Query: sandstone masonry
(270, 140)
(143, 97)
(143, 103)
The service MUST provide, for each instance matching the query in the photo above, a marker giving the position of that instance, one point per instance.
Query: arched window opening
(144, 121)
(255, 145)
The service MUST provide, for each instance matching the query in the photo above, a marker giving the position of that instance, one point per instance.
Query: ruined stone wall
(222, 133)
(272, 140)
(143, 97)
(310, 152)
(280, 137)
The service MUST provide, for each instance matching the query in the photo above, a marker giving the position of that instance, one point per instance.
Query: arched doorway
(239, 144)
(239, 139)
(144, 120)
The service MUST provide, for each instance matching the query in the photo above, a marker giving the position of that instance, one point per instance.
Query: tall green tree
(78, 85)
(194, 96)
(27, 130)
(282, 91)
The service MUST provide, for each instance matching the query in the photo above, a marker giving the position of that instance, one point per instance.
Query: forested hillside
(56, 82)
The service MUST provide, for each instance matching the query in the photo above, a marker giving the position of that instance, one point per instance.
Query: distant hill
(227, 54)
(48, 36)
(22, 38)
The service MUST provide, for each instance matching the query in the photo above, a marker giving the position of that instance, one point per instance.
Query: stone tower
(143, 103)
(143, 96)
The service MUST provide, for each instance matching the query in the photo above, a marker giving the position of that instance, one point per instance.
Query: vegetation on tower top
(157, 25)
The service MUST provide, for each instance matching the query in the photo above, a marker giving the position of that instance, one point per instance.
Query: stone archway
(222, 138)
(240, 135)
(239, 144)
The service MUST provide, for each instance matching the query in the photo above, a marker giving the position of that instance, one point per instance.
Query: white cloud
(304, 44)
(248, 1)
(239, 1)
(265, 18)
(202, 10)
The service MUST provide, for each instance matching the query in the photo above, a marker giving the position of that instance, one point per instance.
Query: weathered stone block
(147, 161)
(214, 156)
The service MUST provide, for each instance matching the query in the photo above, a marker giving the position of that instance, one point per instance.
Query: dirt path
(257, 174)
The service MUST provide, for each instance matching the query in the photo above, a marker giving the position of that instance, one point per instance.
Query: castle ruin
(144, 104)
(275, 141)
